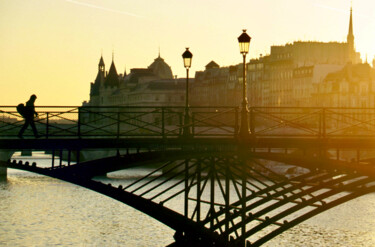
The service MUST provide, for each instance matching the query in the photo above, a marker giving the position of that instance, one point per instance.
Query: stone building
(352, 86)
(151, 86)
(216, 86)
(286, 76)
(304, 79)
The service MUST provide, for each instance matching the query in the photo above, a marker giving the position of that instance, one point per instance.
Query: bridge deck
(90, 143)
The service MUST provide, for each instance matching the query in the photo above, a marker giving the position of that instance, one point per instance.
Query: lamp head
(187, 56)
(244, 42)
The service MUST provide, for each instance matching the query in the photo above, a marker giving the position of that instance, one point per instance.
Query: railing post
(186, 204)
(235, 122)
(118, 124)
(60, 160)
(324, 122)
(212, 190)
(243, 203)
(321, 123)
(192, 124)
(181, 124)
(252, 122)
(227, 198)
(79, 123)
(53, 158)
(199, 179)
(69, 156)
(163, 122)
(47, 125)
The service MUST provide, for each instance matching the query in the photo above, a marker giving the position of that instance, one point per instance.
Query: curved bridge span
(211, 186)
(225, 197)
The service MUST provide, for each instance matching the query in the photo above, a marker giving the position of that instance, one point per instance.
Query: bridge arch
(168, 217)
(232, 215)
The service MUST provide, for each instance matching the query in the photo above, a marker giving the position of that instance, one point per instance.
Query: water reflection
(41, 211)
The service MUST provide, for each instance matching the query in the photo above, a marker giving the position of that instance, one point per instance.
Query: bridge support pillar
(3, 173)
(5, 155)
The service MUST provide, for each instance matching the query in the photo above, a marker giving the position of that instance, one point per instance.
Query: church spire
(99, 78)
(350, 33)
(101, 65)
(112, 78)
(350, 38)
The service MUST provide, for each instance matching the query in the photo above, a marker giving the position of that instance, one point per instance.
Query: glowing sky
(52, 47)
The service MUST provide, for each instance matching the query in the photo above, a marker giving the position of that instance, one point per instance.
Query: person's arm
(32, 109)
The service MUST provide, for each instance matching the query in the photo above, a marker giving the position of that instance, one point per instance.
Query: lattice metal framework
(221, 198)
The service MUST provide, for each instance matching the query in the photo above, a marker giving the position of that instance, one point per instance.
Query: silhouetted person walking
(28, 115)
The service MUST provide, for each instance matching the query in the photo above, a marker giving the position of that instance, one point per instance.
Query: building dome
(161, 68)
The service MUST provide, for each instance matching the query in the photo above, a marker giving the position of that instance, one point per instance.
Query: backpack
(21, 109)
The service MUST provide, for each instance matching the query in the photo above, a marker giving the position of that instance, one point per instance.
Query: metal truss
(213, 198)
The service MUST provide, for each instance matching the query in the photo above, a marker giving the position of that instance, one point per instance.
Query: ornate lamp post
(244, 42)
(187, 57)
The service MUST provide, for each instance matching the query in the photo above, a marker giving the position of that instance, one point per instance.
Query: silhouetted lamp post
(187, 56)
(244, 42)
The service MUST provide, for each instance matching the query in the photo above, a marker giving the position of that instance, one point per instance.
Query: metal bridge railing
(120, 122)
(312, 122)
(167, 122)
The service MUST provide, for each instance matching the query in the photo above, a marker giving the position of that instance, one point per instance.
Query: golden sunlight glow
(51, 48)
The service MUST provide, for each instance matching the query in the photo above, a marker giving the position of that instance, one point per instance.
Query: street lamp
(244, 42)
(187, 57)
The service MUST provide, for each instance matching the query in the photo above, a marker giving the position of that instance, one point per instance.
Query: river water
(42, 211)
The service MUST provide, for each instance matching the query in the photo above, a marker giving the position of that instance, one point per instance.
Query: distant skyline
(51, 48)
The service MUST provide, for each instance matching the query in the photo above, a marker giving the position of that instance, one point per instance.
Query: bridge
(229, 191)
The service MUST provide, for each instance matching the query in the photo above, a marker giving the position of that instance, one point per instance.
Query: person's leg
(24, 127)
(34, 128)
